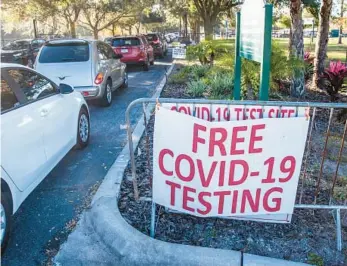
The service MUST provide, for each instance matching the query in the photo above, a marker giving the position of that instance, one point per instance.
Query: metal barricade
(323, 195)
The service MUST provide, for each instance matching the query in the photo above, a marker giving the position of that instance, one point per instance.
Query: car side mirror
(117, 56)
(65, 89)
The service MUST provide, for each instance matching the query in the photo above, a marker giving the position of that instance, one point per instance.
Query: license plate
(123, 50)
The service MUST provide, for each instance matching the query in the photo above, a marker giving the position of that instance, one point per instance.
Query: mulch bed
(311, 234)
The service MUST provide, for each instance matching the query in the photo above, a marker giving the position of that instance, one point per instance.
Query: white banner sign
(179, 53)
(217, 113)
(239, 169)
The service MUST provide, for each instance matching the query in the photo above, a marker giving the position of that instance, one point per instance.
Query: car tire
(125, 80)
(106, 99)
(146, 65)
(152, 62)
(6, 210)
(83, 129)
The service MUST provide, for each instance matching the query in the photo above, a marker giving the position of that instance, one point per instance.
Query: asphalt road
(41, 223)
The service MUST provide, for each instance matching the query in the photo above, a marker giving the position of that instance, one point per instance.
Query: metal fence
(321, 185)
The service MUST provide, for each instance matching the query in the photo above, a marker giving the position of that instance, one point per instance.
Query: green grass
(335, 51)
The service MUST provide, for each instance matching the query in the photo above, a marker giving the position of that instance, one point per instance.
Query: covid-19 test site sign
(227, 164)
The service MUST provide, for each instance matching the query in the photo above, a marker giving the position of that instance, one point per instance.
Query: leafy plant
(221, 87)
(315, 259)
(199, 71)
(196, 88)
(308, 65)
(205, 52)
(333, 77)
(179, 78)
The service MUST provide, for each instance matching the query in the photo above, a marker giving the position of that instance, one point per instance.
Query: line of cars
(44, 113)
(139, 49)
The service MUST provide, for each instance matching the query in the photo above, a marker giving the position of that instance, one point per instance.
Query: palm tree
(297, 46)
(322, 39)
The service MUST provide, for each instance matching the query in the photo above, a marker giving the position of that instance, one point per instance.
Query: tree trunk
(130, 30)
(297, 46)
(185, 23)
(322, 39)
(208, 27)
(341, 28)
(96, 34)
(73, 29)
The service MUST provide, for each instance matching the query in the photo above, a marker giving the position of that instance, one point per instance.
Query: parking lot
(44, 219)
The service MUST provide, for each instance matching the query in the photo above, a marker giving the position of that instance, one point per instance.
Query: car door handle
(44, 112)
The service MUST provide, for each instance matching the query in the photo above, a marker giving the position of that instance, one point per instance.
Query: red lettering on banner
(277, 201)
(161, 161)
(290, 112)
(186, 198)
(205, 110)
(204, 203)
(270, 113)
(221, 173)
(254, 138)
(235, 140)
(205, 182)
(173, 187)
(253, 110)
(247, 197)
(238, 111)
(226, 114)
(196, 138)
(244, 164)
(220, 142)
(234, 202)
(221, 195)
(191, 173)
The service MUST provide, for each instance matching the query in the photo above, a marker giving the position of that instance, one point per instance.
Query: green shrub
(196, 88)
(315, 259)
(179, 78)
(282, 69)
(221, 87)
(199, 71)
(205, 52)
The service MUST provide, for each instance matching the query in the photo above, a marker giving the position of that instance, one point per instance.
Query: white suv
(92, 67)
(40, 123)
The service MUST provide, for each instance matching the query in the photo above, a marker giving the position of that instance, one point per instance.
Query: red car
(135, 50)
(158, 43)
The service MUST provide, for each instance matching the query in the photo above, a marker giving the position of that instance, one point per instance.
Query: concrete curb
(103, 237)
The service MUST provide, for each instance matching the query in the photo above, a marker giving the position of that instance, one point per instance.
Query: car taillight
(99, 78)
(156, 41)
(85, 93)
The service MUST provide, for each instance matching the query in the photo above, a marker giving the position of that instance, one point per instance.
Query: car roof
(127, 36)
(2, 65)
(62, 41)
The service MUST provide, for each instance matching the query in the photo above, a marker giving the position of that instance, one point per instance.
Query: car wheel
(146, 65)
(106, 99)
(83, 129)
(6, 213)
(125, 80)
(152, 62)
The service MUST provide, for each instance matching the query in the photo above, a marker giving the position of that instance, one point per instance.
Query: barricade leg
(152, 230)
(338, 230)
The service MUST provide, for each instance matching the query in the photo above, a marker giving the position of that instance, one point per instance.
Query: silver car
(91, 67)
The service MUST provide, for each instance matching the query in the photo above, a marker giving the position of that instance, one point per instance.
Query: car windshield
(64, 52)
(16, 45)
(152, 37)
(126, 42)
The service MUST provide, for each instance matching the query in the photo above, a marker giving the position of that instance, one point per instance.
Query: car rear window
(152, 37)
(126, 42)
(64, 52)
